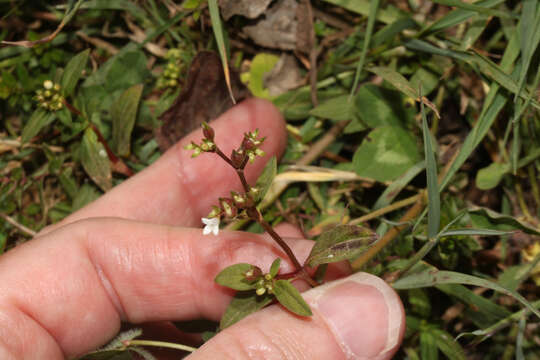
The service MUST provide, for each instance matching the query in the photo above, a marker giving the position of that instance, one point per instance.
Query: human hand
(132, 255)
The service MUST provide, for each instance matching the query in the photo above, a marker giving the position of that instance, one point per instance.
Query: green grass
(457, 187)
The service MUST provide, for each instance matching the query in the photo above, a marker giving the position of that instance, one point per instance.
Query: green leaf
(489, 331)
(530, 38)
(260, 65)
(378, 106)
(242, 305)
(219, 35)
(432, 278)
(447, 345)
(125, 69)
(39, 119)
(487, 310)
(123, 114)
(434, 201)
(337, 108)
(498, 218)
(385, 154)
(73, 72)
(428, 347)
(397, 185)
(85, 195)
(95, 161)
(337, 235)
(274, 268)
(234, 277)
(288, 296)
(387, 15)
(472, 232)
(373, 7)
(265, 180)
(474, 7)
(428, 80)
(396, 79)
(490, 176)
(457, 16)
(3, 241)
(343, 242)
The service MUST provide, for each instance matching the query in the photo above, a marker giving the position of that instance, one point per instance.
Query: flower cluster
(177, 58)
(207, 144)
(264, 283)
(250, 147)
(50, 97)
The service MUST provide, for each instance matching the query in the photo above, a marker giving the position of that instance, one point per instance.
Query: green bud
(260, 291)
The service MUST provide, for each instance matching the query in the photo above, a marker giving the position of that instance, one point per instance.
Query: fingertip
(367, 297)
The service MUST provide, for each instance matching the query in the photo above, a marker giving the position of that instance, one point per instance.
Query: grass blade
(434, 201)
(373, 7)
(431, 278)
(220, 40)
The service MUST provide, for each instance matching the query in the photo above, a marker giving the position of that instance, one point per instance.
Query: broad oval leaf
(73, 72)
(242, 305)
(234, 277)
(386, 153)
(123, 114)
(95, 161)
(288, 296)
(340, 243)
(489, 177)
(265, 180)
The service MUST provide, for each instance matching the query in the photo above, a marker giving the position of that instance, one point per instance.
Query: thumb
(358, 317)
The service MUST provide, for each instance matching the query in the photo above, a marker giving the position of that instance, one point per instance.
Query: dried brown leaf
(204, 98)
(248, 8)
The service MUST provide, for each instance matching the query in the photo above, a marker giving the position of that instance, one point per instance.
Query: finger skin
(374, 324)
(68, 290)
(178, 189)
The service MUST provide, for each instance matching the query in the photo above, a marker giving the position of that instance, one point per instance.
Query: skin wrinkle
(26, 314)
(101, 272)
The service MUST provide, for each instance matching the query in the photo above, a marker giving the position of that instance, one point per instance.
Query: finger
(69, 290)
(359, 317)
(179, 190)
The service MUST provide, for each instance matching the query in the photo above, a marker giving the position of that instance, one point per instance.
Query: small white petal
(211, 226)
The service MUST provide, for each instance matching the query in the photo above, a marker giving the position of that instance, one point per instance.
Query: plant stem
(256, 215)
(159, 344)
(20, 227)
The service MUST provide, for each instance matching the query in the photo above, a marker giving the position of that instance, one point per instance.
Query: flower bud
(260, 291)
(48, 84)
(247, 144)
(216, 211)
(208, 132)
(228, 207)
(253, 274)
(238, 158)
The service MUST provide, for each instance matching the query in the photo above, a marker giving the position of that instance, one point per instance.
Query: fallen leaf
(248, 8)
(204, 98)
(278, 28)
(284, 76)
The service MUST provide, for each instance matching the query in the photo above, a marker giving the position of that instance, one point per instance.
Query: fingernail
(363, 312)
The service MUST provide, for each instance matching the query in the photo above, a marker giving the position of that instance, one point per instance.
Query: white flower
(211, 225)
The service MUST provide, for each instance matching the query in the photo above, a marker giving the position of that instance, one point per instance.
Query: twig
(386, 209)
(20, 227)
